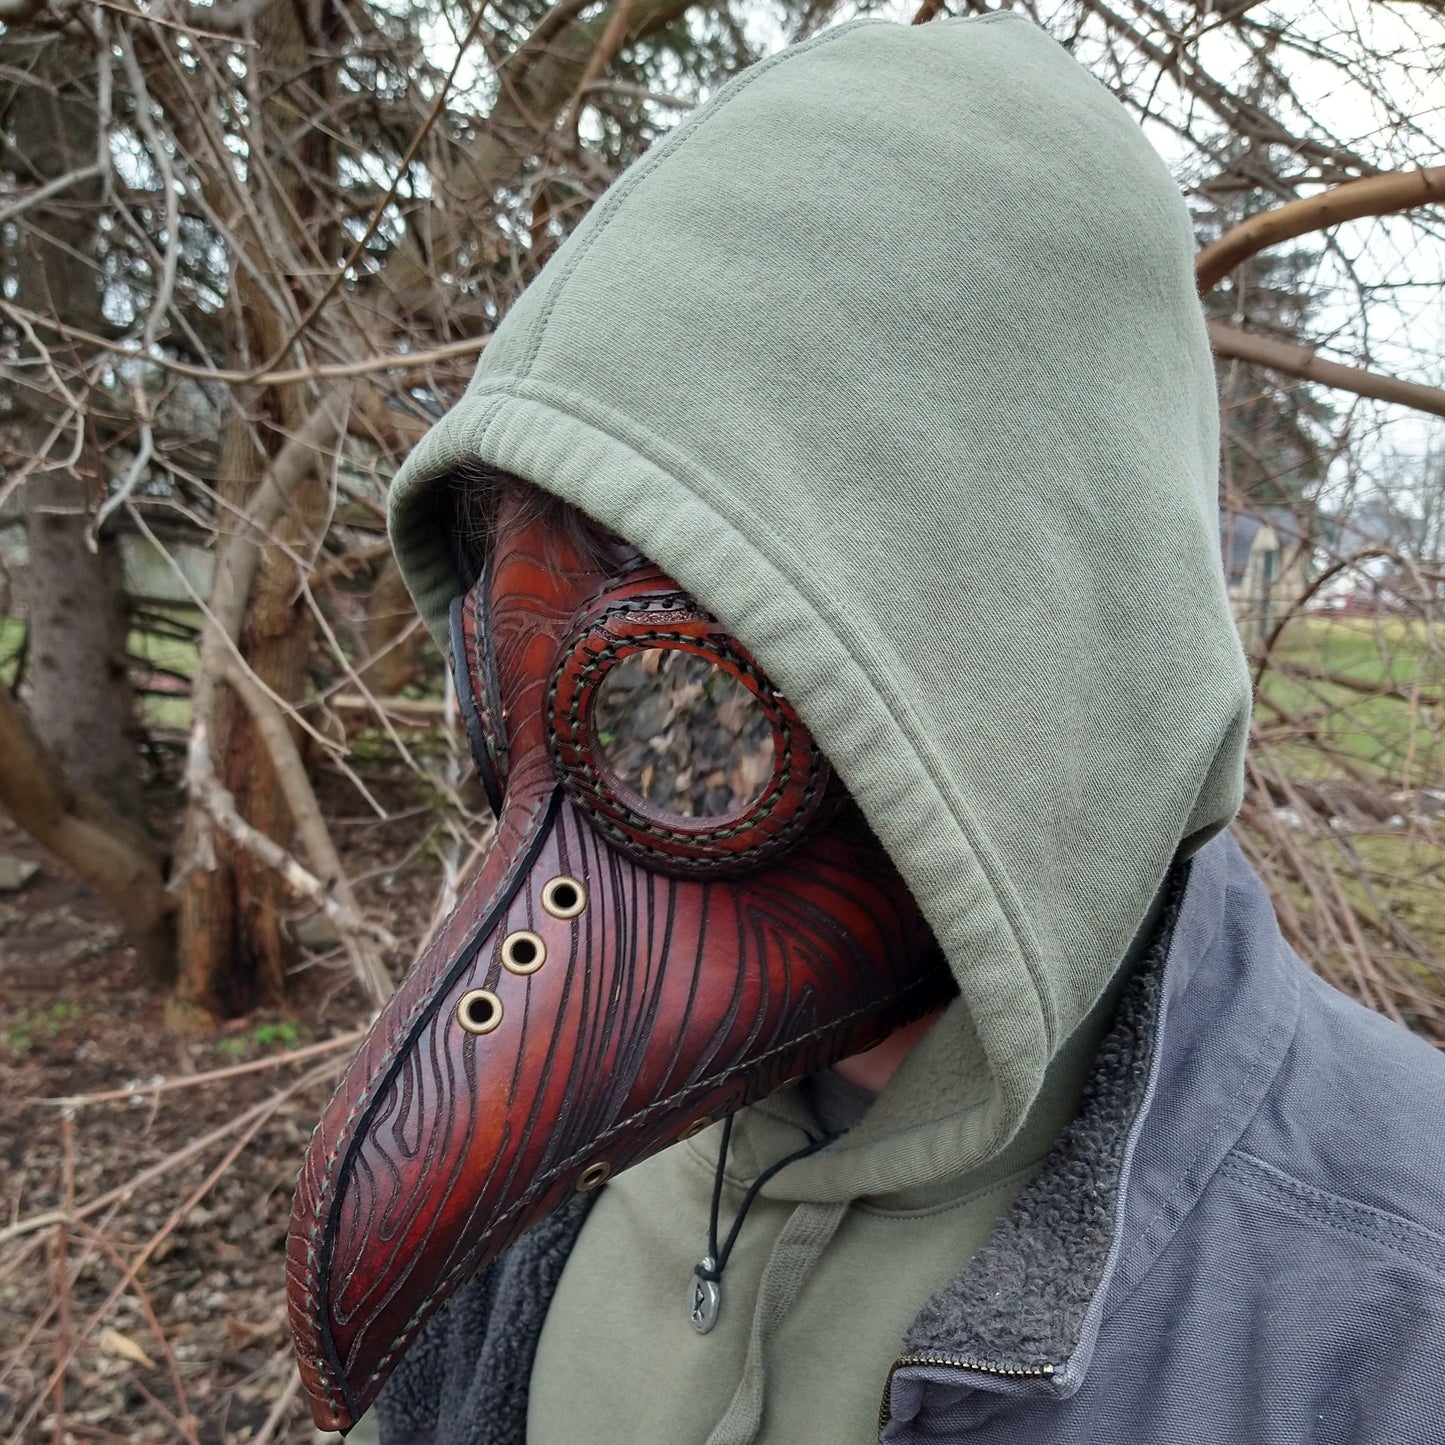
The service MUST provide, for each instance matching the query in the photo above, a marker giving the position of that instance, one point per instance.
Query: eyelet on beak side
(479, 1011)
(696, 1128)
(564, 897)
(595, 1174)
(523, 952)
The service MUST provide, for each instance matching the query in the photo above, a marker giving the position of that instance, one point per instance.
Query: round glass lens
(684, 734)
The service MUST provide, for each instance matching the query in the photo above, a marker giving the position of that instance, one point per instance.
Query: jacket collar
(1200, 1033)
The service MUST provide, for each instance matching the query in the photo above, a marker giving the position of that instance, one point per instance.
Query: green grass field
(1407, 872)
(12, 634)
(1362, 700)
(1329, 674)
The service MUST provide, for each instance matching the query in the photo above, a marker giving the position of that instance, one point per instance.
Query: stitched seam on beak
(337, 1388)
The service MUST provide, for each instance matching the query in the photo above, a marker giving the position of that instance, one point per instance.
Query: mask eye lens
(683, 734)
(671, 740)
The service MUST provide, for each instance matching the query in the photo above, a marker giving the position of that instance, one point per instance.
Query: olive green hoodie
(891, 355)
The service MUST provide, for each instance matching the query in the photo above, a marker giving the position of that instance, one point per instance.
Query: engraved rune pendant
(705, 1298)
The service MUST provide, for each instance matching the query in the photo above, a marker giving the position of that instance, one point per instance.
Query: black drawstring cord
(707, 1286)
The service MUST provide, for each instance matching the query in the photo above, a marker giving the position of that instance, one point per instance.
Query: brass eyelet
(479, 1011)
(696, 1128)
(595, 1174)
(564, 896)
(523, 952)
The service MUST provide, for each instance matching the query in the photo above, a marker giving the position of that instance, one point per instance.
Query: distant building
(1266, 565)
(174, 577)
(177, 575)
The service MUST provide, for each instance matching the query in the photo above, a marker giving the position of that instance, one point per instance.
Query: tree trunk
(394, 656)
(79, 695)
(77, 825)
(234, 949)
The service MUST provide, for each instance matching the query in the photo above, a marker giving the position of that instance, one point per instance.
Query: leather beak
(530, 1055)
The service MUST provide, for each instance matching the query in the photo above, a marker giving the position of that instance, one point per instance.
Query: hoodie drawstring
(706, 1295)
(808, 1232)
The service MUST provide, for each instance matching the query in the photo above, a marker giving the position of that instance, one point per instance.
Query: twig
(163, 1345)
(608, 44)
(161, 1167)
(64, 1347)
(253, 1120)
(379, 210)
(220, 806)
(121, 496)
(280, 1409)
(261, 376)
(211, 1076)
(416, 710)
(1374, 196)
(1300, 361)
(160, 158)
(50, 188)
(1340, 564)
(238, 560)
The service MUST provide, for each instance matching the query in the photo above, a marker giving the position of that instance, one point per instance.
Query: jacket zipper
(965, 1362)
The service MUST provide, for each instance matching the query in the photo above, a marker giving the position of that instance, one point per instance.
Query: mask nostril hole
(523, 952)
(479, 1011)
(564, 897)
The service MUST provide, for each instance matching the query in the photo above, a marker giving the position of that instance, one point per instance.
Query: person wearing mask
(923, 1061)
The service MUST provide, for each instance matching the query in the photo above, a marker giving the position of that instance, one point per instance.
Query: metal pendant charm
(704, 1298)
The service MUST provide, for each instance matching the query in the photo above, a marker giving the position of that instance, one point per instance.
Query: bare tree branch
(1373, 196)
(608, 44)
(339, 901)
(86, 834)
(238, 555)
(202, 782)
(1300, 361)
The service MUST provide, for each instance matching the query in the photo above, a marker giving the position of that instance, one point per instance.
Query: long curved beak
(575, 1014)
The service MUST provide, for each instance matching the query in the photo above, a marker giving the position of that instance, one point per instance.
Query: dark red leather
(715, 961)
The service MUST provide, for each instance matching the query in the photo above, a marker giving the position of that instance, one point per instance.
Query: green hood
(891, 355)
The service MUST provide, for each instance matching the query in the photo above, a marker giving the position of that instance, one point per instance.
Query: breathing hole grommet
(595, 1174)
(479, 1011)
(523, 952)
(564, 896)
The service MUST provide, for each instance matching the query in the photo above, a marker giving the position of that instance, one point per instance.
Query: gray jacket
(1241, 1238)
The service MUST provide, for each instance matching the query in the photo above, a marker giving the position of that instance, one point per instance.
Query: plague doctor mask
(677, 917)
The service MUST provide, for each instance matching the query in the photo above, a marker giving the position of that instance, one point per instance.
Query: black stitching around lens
(588, 791)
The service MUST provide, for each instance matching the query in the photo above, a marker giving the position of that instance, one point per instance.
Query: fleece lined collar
(1200, 1034)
